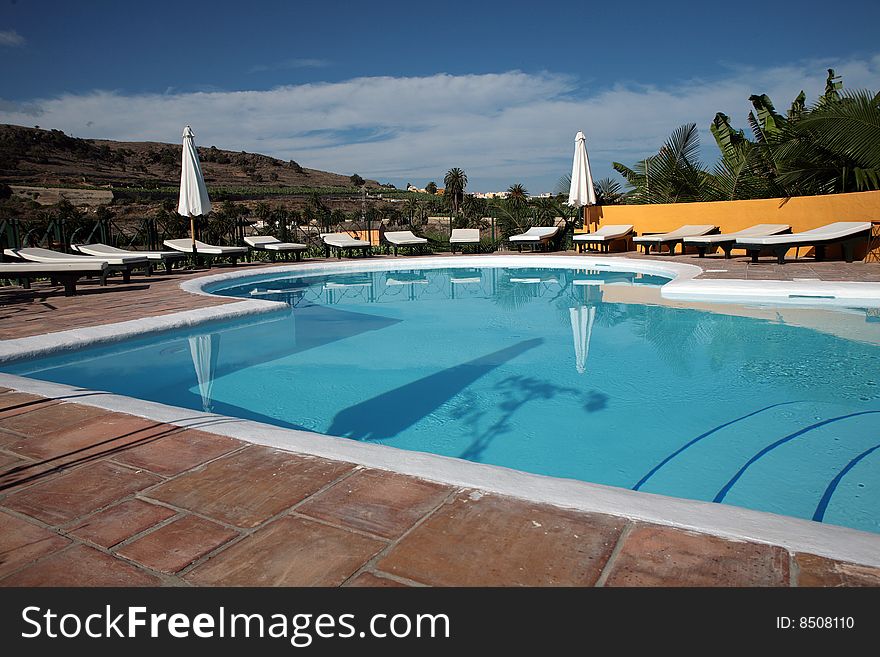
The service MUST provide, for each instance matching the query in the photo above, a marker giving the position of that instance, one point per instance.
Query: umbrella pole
(192, 232)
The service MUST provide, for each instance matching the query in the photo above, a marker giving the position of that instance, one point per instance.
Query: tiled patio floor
(94, 498)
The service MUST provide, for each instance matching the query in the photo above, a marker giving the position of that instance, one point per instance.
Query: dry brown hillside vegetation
(32, 156)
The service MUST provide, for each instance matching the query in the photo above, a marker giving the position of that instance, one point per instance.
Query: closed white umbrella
(204, 350)
(581, 330)
(193, 201)
(581, 192)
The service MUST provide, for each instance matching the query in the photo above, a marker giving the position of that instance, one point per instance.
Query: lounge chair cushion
(342, 240)
(535, 234)
(753, 231)
(34, 254)
(689, 230)
(605, 233)
(38, 268)
(269, 243)
(832, 232)
(99, 250)
(404, 238)
(186, 246)
(465, 236)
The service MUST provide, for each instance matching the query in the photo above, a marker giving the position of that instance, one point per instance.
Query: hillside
(32, 156)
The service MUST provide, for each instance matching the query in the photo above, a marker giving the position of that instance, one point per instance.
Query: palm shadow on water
(516, 392)
(386, 415)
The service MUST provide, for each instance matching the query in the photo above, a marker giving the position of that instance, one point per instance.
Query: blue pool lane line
(819, 515)
(769, 448)
(693, 442)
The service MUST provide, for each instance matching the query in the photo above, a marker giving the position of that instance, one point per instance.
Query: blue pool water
(578, 374)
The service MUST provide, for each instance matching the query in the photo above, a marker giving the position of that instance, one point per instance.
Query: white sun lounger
(726, 240)
(539, 235)
(603, 237)
(124, 264)
(99, 250)
(343, 242)
(66, 273)
(464, 236)
(846, 233)
(210, 251)
(398, 238)
(674, 237)
(273, 245)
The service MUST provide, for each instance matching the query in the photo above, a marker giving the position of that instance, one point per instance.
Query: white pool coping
(719, 519)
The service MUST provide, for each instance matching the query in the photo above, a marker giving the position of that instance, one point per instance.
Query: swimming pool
(572, 373)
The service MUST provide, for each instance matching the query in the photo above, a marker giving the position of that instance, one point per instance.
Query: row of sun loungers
(100, 260)
(776, 238)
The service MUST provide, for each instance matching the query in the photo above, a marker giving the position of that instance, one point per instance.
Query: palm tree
(513, 215)
(517, 196)
(830, 147)
(608, 192)
(673, 175)
(431, 187)
(410, 208)
(835, 145)
(455, 181)
(472, 212)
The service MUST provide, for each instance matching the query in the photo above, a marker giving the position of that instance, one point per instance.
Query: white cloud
(11, 38)
(500, 128)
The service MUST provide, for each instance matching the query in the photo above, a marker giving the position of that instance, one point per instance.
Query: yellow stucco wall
(371, 236)
(801, 213)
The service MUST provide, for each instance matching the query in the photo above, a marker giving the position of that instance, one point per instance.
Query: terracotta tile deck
(92, 498)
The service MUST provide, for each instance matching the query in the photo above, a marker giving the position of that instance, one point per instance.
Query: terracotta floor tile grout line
(113, 549)
(612, 558)
(195, 513)
(794, 570)
(243, 532)
(65, 529)
(371, 563)
(62, 529)
(345, 475)
(10, 453)
(196, 468)
(337, 525)
(381, 574)
(75, 542)
(178, 575)
(36, 562)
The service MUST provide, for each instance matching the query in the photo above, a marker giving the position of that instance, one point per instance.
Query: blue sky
(401, 92)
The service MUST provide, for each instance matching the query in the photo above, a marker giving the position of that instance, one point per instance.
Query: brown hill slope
(32, 156)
